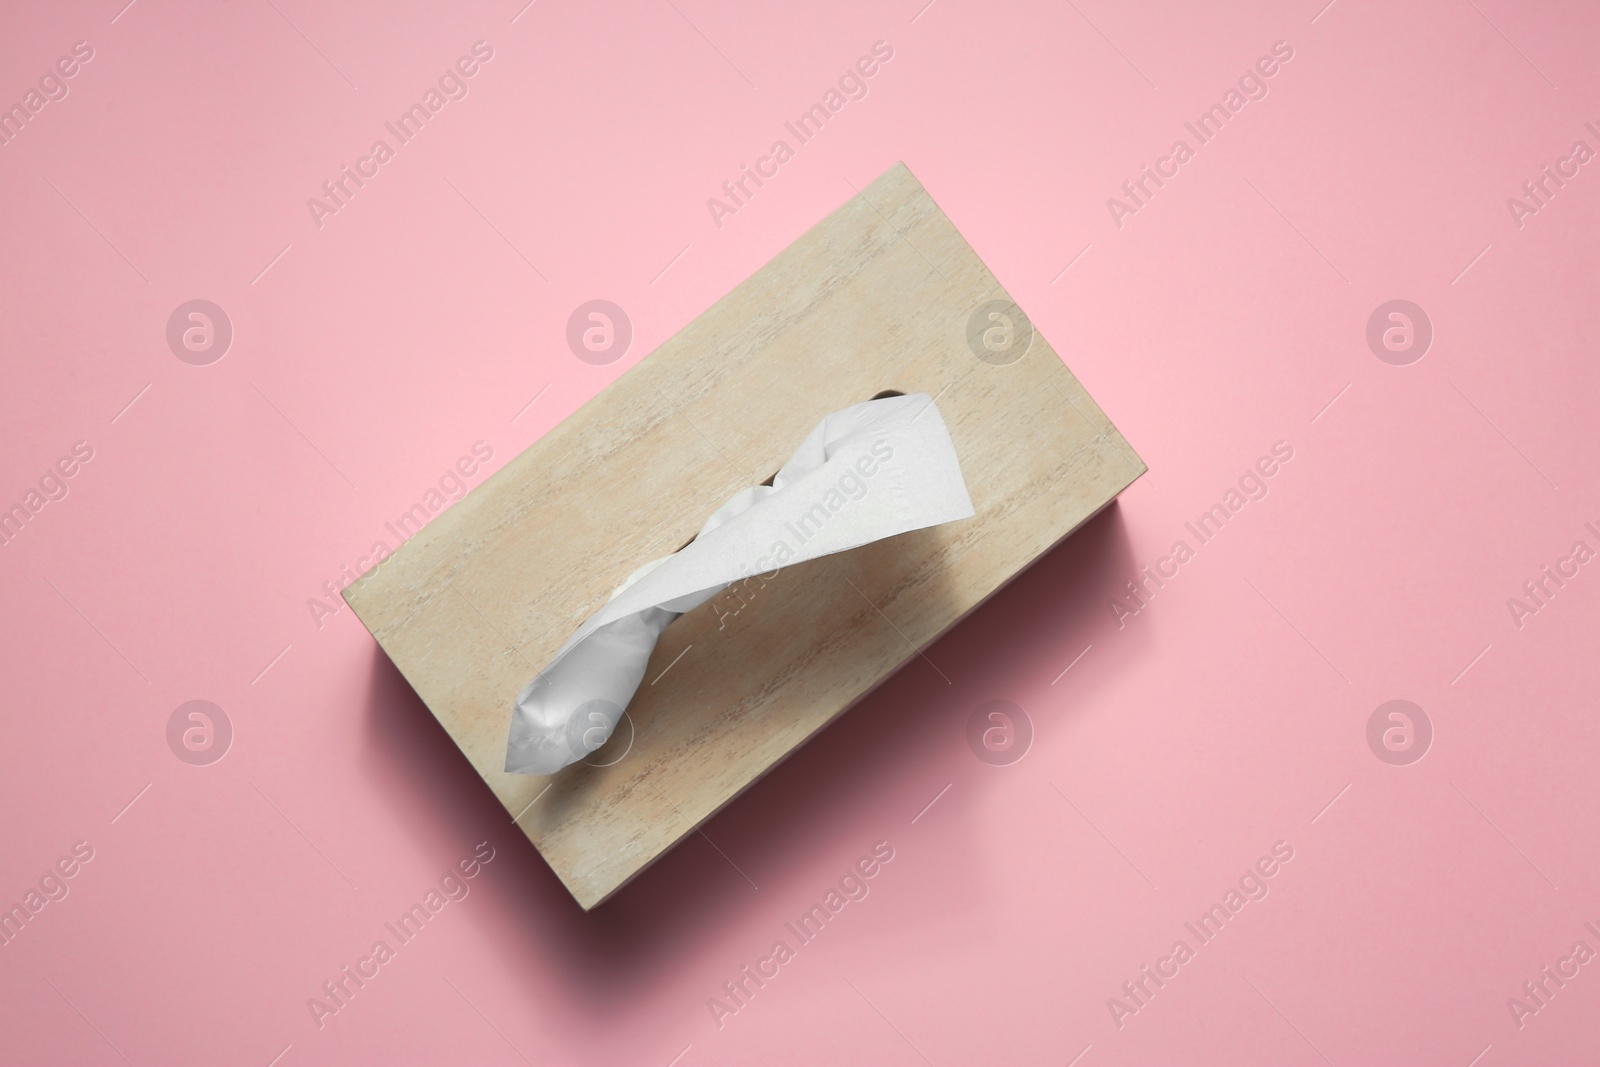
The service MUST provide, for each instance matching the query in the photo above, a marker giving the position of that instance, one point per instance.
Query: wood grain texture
(875, 297)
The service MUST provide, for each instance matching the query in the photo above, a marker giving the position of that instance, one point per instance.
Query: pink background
(1229, 313)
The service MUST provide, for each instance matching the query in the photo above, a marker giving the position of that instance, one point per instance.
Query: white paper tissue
(871, 471)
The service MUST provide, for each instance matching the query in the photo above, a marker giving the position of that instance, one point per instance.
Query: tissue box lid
(883, 294)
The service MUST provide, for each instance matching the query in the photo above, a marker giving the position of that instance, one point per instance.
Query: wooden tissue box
(882, 295)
